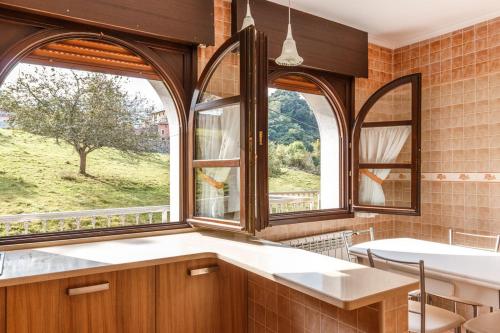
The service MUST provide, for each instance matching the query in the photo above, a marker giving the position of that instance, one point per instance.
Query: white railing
(282, 202)
(279, 202)
(76, 220)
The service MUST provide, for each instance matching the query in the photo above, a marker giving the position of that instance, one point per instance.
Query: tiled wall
(274, 308)
(460, 131)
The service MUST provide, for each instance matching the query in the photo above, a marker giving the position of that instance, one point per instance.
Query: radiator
(331, 244)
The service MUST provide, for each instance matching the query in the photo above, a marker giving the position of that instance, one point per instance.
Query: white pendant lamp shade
(248, 20)
(289, 54)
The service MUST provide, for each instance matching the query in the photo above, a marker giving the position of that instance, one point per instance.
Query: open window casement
(386, 150)
(223, 135)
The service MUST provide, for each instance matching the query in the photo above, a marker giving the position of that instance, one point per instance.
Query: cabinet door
(135, 300)
(214, 301)
(185, 303)
(93, 307)
(233, 298)
(110, 302)
(38, 308)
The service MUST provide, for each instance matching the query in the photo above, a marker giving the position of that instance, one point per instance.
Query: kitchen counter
(343, 284)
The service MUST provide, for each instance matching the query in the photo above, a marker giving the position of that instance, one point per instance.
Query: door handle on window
(203, 271)
(88, 289)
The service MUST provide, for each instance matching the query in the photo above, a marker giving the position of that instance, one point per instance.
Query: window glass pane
(217, 193)
(217, 133)
(304, 148)
(385, 187)
(390, 144)
(82, 147)
(225, 80)
(395, 105)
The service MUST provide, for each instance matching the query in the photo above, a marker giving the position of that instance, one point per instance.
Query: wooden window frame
(54, 30)
(415, 80)
(339, 111)
(252, 47)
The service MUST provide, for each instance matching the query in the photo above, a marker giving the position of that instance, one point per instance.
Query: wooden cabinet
(210, 301)
(110, 302)
(135, 300)
(187, 303)
(161, 299)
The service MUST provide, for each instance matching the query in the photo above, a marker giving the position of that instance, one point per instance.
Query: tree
(85, 109)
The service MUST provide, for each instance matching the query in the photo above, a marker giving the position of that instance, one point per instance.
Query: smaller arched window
(386, 150)
(307, 150)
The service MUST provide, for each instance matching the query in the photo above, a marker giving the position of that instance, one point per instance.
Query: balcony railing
(82, 219)
(280, 202)
(283, 202)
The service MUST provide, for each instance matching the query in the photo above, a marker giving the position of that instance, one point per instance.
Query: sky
(132, 85)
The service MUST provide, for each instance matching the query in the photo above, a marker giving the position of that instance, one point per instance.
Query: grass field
(38, 175)
(294, 180)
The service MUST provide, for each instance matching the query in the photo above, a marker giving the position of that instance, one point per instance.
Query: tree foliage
(291, 119)
(85, 109)
(293, 134)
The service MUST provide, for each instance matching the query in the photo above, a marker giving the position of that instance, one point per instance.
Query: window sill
(87, 236)
(313, 216)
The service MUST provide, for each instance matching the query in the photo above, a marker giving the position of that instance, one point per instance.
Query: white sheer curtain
(220, 140)
(378, 145)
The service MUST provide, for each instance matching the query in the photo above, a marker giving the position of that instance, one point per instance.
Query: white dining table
(452, 270)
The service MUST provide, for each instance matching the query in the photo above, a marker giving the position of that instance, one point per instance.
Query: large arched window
(89, 140)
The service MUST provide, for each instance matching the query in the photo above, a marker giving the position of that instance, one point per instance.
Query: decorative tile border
(462, 177)
(489, 177)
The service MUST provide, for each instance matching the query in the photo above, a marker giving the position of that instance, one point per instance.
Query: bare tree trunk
(83, 162)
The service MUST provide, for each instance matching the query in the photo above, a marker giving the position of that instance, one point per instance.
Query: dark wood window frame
(252, 48)
(141, 46)
(340, 113)
(415, 80)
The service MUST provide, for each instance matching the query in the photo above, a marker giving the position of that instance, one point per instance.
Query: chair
(452, 241)
(347, 238)
(452, 233)
(488, 323)
(422, 317)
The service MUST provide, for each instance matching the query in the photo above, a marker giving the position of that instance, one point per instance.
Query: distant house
(159, 118)
(4, 119)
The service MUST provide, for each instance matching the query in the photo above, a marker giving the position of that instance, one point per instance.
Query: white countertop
(341, 283)
(476, 266)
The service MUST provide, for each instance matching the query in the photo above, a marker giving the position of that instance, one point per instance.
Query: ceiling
(395, 23)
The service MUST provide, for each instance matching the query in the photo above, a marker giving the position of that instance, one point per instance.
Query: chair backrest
(348, 235)
(495, 238)
(421, 267)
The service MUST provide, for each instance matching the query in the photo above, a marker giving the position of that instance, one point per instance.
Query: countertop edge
(103, 267)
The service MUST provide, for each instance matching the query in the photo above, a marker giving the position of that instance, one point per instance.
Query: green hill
(38, 175)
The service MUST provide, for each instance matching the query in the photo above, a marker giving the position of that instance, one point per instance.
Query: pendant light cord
(289, 10)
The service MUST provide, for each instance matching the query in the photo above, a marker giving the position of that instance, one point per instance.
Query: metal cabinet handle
(88, 289)
(203, 271)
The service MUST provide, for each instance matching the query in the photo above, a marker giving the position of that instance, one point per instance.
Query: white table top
(479, 267)
(341, 283)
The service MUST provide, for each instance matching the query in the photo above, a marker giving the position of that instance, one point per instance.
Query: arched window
(89, 140)
(306, 149)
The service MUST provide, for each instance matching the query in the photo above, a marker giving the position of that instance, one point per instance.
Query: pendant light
(248, 20)
(289, 54)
